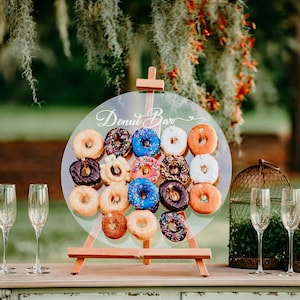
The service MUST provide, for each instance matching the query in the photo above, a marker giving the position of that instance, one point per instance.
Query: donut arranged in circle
(142, 224)
(204, 168)
(146, 167)
(88, 143)
(175, 167)
(114, 197)
(142, 193)
(115, 170)
(145, 142)
(118, 142)
(173, 141)
(205, 198)
(173, 195)
(84, 200)
(173, 226)
(114, 225)
(85, 171)
(202, 139)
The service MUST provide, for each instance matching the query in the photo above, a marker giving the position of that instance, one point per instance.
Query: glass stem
(291, 252)
(37, 252)
(260, 257)
(5, 240)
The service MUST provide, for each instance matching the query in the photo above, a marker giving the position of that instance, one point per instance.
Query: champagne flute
(8, 212)
(290, 216)
(260, 209)
(38, 206)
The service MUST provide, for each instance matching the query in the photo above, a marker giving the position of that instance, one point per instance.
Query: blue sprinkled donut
(172, 226)
(142, 193)
(145, 142)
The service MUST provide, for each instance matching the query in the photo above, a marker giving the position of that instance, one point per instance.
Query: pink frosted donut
(146, 167)
(88, 143)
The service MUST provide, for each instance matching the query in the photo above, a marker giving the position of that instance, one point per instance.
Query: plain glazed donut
(85, 171)
(202, 139)
(114, 225)
(204, 168)
(173, 141)
(146, 167)
(114, 197)
(145, 142)
(142, 193)
(205, 198)
(142, 224)
(84, 200)
(175, 167)
(88, 143)
(118, 142)
(173, 195)
(115, 170)
(173, 226)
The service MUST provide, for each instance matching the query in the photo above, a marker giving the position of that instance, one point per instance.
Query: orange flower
(191, 5)
(236, 116)
(221, 21)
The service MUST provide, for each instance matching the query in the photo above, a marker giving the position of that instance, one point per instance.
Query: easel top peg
(151, 84)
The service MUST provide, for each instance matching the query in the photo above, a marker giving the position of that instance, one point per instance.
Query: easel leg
(193, 244)
(88, 244)
(146, 244)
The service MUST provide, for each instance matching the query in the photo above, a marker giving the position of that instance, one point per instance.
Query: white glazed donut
(88, 143)
(115, 170)
(173, 141)
(204, 168)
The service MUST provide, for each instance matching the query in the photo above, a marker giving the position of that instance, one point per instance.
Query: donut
(173, 226)
(114, 225)
(142, 193)
(88, 143)
(202, 139)
(84, 200)
(205, 198)
(175, 167)
(142, 224)
(115, 170)
(114, 197)
(173, 195)
(85, 171)
(173, 141)
(204, 168)
(145, 142)
(118, 142)
(146, 167)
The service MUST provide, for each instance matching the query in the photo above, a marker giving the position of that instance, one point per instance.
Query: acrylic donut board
(128, 111)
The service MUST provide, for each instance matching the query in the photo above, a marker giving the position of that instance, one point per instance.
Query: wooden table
(157, 281)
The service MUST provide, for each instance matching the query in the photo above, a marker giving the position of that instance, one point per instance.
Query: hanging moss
(22, 34)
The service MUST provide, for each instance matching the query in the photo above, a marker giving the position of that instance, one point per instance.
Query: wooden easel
(146, 253)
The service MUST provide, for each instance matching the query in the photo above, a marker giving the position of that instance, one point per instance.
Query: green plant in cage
(243, 240)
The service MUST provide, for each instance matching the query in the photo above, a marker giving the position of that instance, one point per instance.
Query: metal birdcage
(263, 175)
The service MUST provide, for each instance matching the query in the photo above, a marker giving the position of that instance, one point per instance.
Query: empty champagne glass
(8, 212)
(290, 216)
(260, 209)
(38, 206)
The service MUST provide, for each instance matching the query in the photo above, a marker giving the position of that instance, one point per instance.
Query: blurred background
(33, 137)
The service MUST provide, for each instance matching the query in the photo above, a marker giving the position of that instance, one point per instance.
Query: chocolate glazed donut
(173, 195)
(85, 171)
